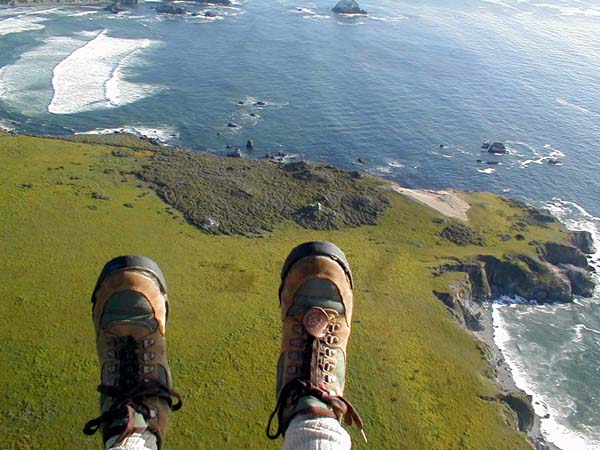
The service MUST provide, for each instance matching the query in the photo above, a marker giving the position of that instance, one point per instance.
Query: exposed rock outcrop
(170, 9)
(479, 288)
(462, 235)
(583, 241)
(461, 305)
(557, 254)
(553, 279)
(498, 148)
(216, 2)
(520, 403)
(581, 280)
(348, 7)
(527, 277)
(115, 8)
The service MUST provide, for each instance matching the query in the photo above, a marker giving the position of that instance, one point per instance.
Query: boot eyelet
(332, 339)
(329, 352)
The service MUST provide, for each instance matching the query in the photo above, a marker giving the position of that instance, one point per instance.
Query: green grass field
(414, 376)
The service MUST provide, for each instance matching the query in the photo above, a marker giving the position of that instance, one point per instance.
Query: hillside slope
(416, 378)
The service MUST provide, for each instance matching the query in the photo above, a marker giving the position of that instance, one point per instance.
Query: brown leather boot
(130, 311)
(316, 309)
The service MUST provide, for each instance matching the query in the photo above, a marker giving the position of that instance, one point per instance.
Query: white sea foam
(532, 154)
(91, 77)
(570, 10)
(83, 13)
(394, 163)
(504, 4)
(20, 24)
(552, 429)
(580, 330)
(380, 170)
(25, 84)
(563, 102)
(391, 18)
(7, 125)
(166, 134)
(488, 171)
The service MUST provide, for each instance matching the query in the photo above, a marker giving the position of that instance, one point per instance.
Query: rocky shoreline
(505, 379)
(470, 303)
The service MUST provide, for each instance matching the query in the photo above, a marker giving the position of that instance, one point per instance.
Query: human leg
(130, 311)
(316, 310)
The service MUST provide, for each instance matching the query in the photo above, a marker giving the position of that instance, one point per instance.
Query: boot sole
(317, 248)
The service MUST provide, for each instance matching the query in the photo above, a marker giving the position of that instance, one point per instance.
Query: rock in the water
(170, 9)
(250, 145)
(498, 148)
(485, 145)
(583, 241)
(260, 103)
(232, 125)
(115, 8)
(348, 7)
(237, 153)
(216, 2)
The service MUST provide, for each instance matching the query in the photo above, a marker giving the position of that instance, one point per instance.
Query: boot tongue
(128, 328)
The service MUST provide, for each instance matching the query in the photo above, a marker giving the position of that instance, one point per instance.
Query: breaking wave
(20, 24)
(24, 84)
(91, 77)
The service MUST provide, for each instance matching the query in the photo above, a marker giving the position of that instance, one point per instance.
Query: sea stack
(348, 7)
(170, 9)
(498, 148)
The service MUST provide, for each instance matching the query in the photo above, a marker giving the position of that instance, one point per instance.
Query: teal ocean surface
(413, 89)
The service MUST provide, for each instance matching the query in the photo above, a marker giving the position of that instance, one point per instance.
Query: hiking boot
(130, 311)
(316, 309)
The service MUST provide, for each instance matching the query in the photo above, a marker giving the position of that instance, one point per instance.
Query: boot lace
(131, 390)
(317, 362)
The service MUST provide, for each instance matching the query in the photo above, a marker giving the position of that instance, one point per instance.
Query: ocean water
(413, 89)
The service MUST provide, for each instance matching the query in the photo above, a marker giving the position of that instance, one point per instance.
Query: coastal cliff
(413, 374)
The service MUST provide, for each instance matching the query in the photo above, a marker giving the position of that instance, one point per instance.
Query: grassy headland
(418, 380)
